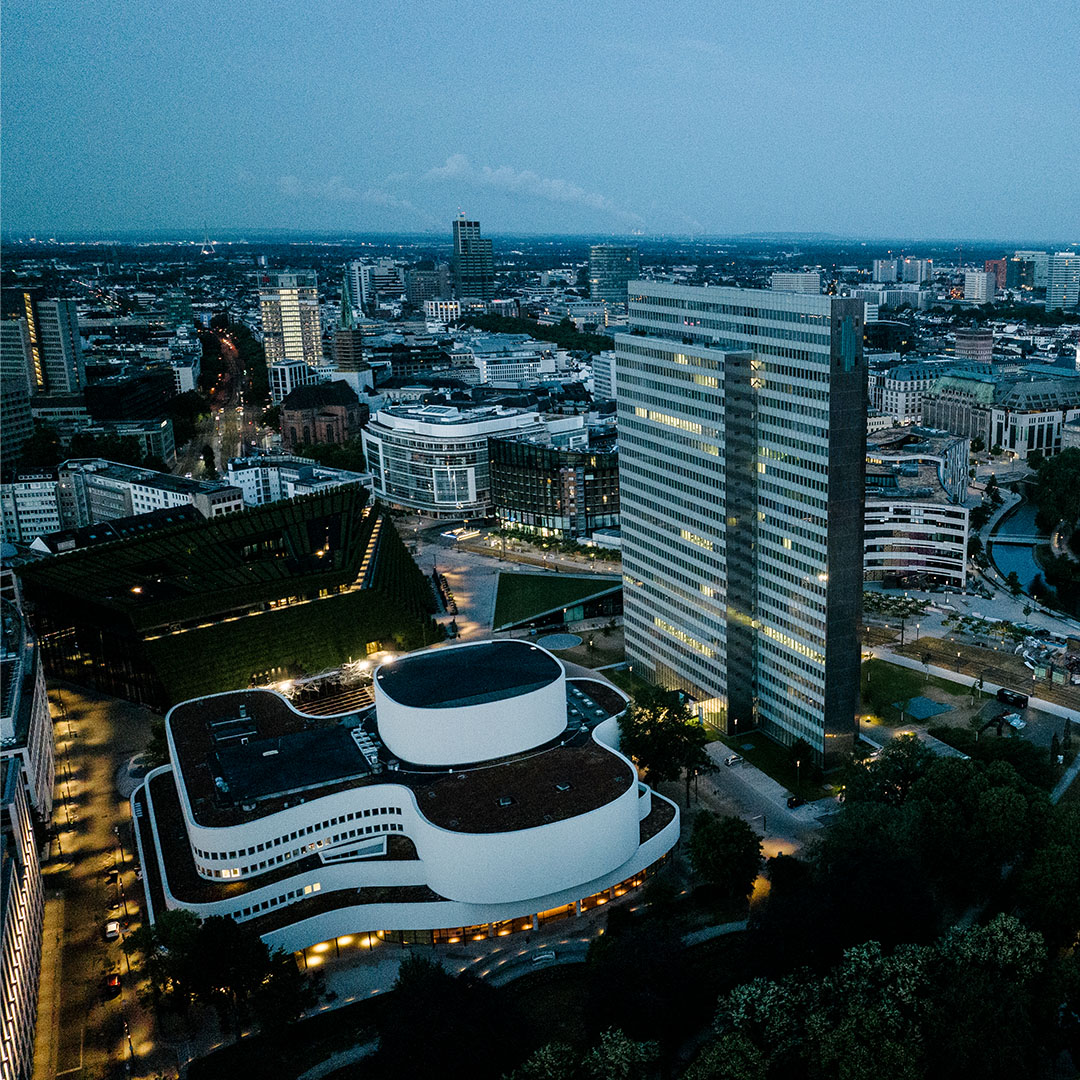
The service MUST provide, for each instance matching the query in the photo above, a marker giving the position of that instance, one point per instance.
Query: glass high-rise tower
(742, 436)
(473, 262)
(290, 318)
(611, 268)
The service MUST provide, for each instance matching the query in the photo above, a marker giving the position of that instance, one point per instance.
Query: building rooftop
(247, 754)
(452, 678)
(909, 463)
(131, 474)
(17, 672)
(321, 396)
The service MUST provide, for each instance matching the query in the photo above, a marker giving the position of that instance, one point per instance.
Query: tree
(726, 853)
(121, 448)
(978, 444)
(889, 778)
(975, 547)
(1013, 582)
(156, 753)
(979, 516)
(1057, 489)
(661, 734)
(41, 449)
(208, 462)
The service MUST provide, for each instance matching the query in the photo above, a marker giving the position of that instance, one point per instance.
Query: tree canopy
(726, 853)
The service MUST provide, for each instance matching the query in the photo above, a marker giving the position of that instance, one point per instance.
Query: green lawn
(524, 596)
(884, 683)
(772, 759)
(626, 682)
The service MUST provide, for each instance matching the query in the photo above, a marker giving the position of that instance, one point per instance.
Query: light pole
(798, 775)
(958, 661)
(918, 626)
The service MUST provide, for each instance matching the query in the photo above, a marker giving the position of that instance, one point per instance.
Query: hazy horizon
(693, 120)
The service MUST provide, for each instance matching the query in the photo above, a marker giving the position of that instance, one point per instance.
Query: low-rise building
(321, 413)
(270, 478)
(916, 523)
(482, 795)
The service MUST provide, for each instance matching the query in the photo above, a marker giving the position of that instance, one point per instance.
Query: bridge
(1026, 541)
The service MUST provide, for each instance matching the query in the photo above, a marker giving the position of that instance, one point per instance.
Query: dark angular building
(553, 491)
(473, 263)
(281, 590)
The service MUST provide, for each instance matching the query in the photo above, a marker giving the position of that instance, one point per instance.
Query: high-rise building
(742, 438)
(916, 270)
(474, 263)
(884, 270)
(800, 282)
(1019, 273)
(980, 286)
(611, 268)
(348, 336)
(999, 268)
(16, 367)
(290, 318)
(52, 328)
(1063, 281)
(1041, 259)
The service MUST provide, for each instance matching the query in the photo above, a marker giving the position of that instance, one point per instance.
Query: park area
(523, 597)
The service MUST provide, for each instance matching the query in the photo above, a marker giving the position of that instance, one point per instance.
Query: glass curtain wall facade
(742, 443)
(290, 318)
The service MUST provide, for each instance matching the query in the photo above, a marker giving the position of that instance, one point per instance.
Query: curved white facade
(453, 726)
(414, 846)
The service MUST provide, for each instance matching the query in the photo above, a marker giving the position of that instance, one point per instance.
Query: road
(95, 738)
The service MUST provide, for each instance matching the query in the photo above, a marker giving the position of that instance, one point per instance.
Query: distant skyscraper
(809, 282)
(16, 361)
(348, 337)
(979, 286)
(473, 263)
(1020, 273)
(290, 318)
(1041, 259)
(916, 270)
(884, 269)
(1063, 281)
(611, 268)
(999, 268)
(56, 358)
(742, 438)
(178, 311)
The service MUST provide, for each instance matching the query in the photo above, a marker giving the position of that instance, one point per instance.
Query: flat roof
(468, 675)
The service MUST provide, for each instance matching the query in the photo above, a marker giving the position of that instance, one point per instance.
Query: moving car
(1011, 697)
(112, 984)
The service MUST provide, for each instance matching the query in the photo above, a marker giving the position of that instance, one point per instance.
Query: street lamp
(958, 661)
(798, 774)
(917, 628)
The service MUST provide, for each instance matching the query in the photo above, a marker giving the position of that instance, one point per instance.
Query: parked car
(1011, 697)
(112, 930)
(794, 801)
(545, 957)
(733, 760)
(112, 986)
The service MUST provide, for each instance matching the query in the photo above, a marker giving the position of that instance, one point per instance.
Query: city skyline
(604, 122)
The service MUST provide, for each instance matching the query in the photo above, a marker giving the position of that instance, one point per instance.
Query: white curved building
(482, 794)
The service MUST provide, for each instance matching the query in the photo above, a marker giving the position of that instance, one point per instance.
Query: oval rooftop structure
(471, 702)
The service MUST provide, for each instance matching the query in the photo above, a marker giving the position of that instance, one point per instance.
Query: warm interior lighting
(346, 940)
(322, 947)
(314, 961)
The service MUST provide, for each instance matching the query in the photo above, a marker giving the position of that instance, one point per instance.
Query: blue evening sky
(685, 116)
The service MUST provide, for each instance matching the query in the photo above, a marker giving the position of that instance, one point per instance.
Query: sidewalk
(47, 1031)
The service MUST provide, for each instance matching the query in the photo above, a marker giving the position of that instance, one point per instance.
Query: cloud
(335, 189)
(458, 169)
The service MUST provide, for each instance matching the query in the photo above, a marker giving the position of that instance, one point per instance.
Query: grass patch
(626, 681)
(524, 596)
(884, 683)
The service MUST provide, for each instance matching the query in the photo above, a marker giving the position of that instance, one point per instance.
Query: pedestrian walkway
(47, 1032)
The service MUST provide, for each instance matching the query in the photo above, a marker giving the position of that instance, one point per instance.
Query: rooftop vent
(505, 801)
(562, 787)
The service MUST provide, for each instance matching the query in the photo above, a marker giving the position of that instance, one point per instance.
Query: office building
(287, 375)
(22, 917)
(26, 730)
(483, 795)
(427, 281)
(1020, 273)
(1063, 281)
(916, 520)
(974, 344)
(1040, 260)
(553, 491)
(442, 313)
(611, 268)
(605, 381)
(980, 286)
(916, 271)
(292, 331)
(434, 459)
(473, 263)
(1019, 413)
(999, 268)
(270, 478)
(16, 359)
(52, 333)
(884, 270)
(742, 440)
(801, 282)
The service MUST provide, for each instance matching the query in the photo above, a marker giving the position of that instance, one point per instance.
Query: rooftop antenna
(207, 244)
